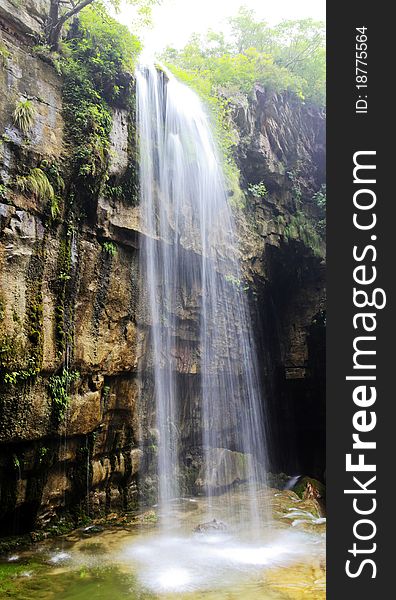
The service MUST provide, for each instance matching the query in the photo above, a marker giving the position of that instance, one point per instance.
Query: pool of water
(285, 559)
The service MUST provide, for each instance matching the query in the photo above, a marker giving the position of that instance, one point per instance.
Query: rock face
(281, 142)
(72, 338)
(225, 468)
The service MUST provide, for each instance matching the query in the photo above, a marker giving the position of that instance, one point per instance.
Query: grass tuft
(23, 115)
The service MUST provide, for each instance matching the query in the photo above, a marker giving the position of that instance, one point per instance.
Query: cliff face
(281, 142)
(71, 338)
(68, 305)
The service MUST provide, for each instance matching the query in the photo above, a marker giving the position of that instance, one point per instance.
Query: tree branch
(76, 9)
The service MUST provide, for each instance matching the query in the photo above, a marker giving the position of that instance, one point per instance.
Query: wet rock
(308, 488)
(119, 143)
(225, 468)
(92, 530)
(214, 525)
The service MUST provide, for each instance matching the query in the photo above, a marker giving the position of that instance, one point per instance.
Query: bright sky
(176, 20)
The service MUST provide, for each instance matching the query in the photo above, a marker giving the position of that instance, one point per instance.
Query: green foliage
(301, 228)
(297, 46)
(96, 56)
(23, 115)
(115, 192)
(258, 190)
(320, 200)
(63, 11)
(110, 248)
(15, 366)
(54, 207)
(294, 176)
(43, 452)
(52, 171)
(37, 183)
(107, 47)
(4, 54)
(289, 56)
(64, 269)
(59, 388)
(237, 283)
(320, 197)
(3, 191)
(5, 138)
(46, 53)
(88, 122)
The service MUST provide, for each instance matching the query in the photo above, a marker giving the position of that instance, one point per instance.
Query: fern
(23, 115)
(39, 185)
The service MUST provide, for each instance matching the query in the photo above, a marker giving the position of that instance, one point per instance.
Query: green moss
(34, 306)
(20, 356)
(35, 322)
(300, 227)
(63, 276)
(15, 363)
(9, 572)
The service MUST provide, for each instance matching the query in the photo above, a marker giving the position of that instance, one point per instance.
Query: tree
(288, 56)
(247, 32)
(297, 42)
(61, 11)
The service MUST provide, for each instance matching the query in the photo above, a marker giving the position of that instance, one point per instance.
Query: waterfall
(194, 305)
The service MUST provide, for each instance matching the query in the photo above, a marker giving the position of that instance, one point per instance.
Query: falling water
(194, 297)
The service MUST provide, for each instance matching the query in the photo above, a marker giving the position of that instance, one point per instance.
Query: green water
(124, 561)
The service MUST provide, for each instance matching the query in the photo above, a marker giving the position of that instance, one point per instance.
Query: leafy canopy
(62, 11)
(288, 56)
